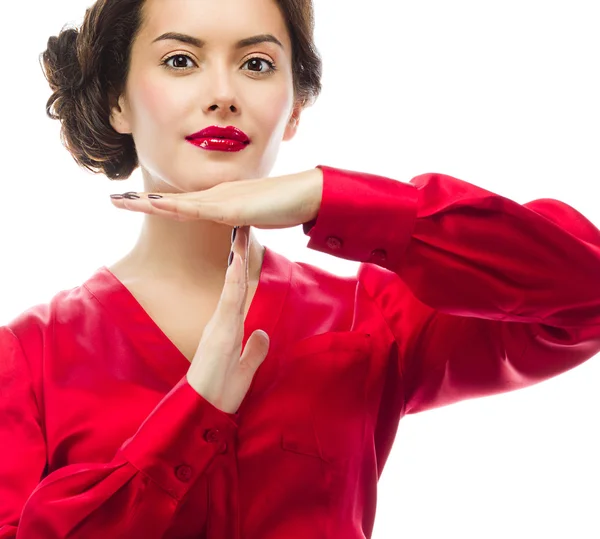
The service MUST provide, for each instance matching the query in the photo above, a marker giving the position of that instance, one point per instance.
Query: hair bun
(62, 69)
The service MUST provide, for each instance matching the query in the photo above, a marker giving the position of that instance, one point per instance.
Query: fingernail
(230, 259)
(130, 196)
(116, 197)
(233, 233)
(154, 196)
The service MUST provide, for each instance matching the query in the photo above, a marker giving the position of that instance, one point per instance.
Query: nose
(223, 106)
(222, 95)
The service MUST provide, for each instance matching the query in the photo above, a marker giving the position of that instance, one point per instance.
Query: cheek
(156, 105)
(274, 109)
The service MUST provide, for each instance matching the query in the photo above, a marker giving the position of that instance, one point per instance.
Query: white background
(500, 94)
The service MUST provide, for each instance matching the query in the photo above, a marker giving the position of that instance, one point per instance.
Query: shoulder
(37, 327)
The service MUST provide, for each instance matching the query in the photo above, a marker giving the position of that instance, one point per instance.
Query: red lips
(224, 139)
(214, 131)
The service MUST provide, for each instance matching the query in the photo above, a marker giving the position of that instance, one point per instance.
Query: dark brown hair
(87, 68)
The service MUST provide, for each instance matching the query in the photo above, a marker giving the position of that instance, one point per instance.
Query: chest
(305, 425)
(180, 314)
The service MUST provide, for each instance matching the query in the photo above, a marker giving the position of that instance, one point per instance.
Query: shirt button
(334, 243)
(212, 436)
(378, 255)
(183, 473)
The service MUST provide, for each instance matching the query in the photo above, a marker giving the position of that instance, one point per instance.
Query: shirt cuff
(180, 438)
(363, 217)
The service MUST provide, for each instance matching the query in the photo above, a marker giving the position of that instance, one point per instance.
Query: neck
(191, 253)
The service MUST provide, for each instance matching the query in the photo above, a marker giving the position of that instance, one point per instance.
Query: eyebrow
(254, 40)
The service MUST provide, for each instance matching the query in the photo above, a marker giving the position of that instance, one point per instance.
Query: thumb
(256, 349)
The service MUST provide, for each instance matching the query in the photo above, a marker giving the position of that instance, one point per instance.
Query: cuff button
(183, 473)
(378, 255)
(212, 436)
(334, 243)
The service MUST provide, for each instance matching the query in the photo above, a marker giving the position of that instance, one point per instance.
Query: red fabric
(461, 293)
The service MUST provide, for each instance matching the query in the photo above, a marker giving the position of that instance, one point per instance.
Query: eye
(256, 63)
(179, 60)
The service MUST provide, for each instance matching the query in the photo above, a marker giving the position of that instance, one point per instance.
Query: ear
(293, 122)
(119, 116)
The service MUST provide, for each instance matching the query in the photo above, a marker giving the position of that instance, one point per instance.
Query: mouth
(215, 138)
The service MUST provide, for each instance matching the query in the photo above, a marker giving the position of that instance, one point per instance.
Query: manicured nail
(230, 259)
(233, 233)
(131, 196)
(116, 197)
(154, 196)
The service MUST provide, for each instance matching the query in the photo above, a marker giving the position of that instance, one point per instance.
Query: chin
(208, 176)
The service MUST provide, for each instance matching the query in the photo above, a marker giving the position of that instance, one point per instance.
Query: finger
(187, 209)
(144, 206)
(241, 248)
(169, 204)
(255, 351)
(233, 293)
(194, 208)
(245, 249)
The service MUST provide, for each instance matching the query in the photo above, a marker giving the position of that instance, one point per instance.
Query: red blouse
(462, 293)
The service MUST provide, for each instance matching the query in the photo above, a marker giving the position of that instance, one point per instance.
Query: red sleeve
(134, 495)
(483, 295)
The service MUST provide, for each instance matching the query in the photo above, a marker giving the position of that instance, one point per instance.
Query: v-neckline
(159, 352)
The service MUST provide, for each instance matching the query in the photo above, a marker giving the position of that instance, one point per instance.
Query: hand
(278, 202)
(217, 372)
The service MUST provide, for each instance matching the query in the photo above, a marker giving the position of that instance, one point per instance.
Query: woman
(172, 395)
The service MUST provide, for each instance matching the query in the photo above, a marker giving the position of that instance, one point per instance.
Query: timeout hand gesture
(218, 372)
(278, 202)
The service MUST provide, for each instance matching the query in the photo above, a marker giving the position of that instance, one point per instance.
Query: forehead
(214, 21)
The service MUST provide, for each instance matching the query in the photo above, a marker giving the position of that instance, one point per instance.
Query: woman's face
(175, 89)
